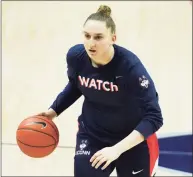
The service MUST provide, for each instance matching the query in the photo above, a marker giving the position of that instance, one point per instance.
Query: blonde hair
(103, 14)
(105, 10)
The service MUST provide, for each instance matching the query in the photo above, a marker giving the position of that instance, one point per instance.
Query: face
(98, 40)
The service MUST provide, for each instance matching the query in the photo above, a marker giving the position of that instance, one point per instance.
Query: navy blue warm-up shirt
(119, 96)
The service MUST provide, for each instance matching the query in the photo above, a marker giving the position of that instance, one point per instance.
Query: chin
(93, 57)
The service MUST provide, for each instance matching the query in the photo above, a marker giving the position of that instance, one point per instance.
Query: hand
(50, 114)
(108, 155)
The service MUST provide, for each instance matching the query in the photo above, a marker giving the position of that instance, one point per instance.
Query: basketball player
(120, 113)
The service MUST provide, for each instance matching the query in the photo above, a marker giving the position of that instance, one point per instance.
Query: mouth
(91, 51)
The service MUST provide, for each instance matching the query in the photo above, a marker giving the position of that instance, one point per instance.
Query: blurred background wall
(35, 39)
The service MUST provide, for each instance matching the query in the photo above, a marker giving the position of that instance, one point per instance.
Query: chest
(102, 87)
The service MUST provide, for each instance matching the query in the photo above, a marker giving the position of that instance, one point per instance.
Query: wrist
(51, 113)
(119, 148)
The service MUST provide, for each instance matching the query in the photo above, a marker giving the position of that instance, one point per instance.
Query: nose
(92, 43)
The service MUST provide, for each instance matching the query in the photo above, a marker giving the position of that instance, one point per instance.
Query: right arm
(70, 93)
(66, 98)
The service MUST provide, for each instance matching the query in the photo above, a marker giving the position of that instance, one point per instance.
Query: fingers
(106, 165)
(95, 156)
(96, 160)
(101, 162)
(40, 114)
(99, 158)
(43, 114)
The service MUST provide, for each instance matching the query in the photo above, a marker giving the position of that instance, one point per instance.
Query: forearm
(152, 119)
(66, 98)
(133, 139)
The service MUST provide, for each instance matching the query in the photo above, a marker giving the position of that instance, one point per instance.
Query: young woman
(120, 113)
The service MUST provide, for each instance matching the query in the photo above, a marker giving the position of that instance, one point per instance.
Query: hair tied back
(105, 10)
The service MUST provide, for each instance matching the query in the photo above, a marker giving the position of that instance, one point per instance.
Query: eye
(98, 37)
(87, 36)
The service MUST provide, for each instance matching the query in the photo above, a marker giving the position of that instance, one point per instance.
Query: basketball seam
(39, 132)
(56, 131)
(34, 146)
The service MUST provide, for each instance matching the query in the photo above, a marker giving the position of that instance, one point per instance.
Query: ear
(114, 38)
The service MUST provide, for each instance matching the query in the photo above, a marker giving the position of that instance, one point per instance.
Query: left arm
(144, 90)
(133, 139)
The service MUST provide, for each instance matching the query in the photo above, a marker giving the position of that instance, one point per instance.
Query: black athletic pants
(140, 161)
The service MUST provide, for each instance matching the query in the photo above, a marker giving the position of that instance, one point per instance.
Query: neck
(106, 58)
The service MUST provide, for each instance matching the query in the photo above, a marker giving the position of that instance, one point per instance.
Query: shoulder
(128, 58)
(75, 54)
(131, 66)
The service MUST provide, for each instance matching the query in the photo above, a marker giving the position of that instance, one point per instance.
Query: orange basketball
(37, 136)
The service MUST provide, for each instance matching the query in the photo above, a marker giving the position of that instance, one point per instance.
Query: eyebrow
(98, 34)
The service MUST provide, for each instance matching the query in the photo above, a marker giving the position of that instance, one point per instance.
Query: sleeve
(142, 86)
(71, 92)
